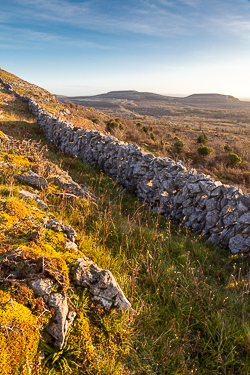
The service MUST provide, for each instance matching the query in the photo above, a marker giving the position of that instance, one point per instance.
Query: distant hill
(134, 103)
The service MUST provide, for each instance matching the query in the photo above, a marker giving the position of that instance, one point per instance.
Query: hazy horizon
(164, 94)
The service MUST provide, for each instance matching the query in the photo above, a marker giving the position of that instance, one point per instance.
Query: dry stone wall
(220, 212)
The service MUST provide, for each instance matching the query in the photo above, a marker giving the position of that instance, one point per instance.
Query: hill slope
(191, 298)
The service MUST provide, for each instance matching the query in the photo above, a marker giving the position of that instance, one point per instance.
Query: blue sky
(176, 47)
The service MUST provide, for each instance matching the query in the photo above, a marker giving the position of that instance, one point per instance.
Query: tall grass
(191, 298)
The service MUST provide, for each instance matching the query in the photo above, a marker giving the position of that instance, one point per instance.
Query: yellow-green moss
(18, 335)
(81, 338)
(14, 207)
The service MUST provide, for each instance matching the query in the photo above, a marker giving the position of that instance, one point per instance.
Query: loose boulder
(66, 183)
(101, 284)
(33, 179)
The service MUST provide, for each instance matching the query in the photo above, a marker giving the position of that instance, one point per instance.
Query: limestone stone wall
(196, 201)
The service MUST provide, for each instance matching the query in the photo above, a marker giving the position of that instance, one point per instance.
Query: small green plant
(234, 159)
(139, 124)
(145, 129)
(114, 125)
(203, 138)
(205, 150)
(96, 120)
(228, 148)
(152, 136)
(59, 360)
(169, 135)
(179, 144)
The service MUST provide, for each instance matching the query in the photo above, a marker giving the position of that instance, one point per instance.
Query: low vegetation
(191, 299)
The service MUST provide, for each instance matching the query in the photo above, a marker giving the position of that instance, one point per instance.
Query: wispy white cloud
(235, 25)
(21, 37)
(148, 17)
(164, 18)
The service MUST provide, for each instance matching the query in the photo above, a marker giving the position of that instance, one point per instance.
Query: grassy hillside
(191, 299)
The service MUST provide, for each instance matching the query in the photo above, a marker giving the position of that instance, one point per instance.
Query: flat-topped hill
(156, 104)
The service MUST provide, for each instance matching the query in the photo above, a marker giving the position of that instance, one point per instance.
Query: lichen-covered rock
(101, 284)
(60, 226)
(33, 179)
(66, 195)
(41, 287)
(66, 183)
(28, 195)
(71, 246)
(62, 318)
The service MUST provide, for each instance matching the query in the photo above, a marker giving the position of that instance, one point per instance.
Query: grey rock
(245, 200)
(66, 183)
(71, 246)
(28, 195)
(212, 218)
(241, 207)
(194, 188)
(211, 204)
(61, 320)
(66, 195)
(245, 218)
(238, 244)
(33, 179)
(60, 226)
(41, 287)
(230, 218)
(101, 284)
(42, 205)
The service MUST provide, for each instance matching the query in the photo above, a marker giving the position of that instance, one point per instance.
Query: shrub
(139, 124)
(114, 124)
(96, 120)
(152, 136)
(179, 144)
(205, 150)
(234, 159)
(227, 148)
(203, 138)
(145, 129)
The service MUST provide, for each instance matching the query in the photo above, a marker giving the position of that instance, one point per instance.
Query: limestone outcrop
(62, 317)
(60, 226)
(35, 197)
(101, 284)
(66, 183)
(33, 179)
